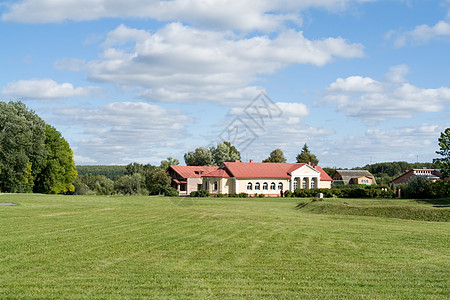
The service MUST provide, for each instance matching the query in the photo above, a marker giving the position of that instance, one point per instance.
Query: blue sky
(137, 81)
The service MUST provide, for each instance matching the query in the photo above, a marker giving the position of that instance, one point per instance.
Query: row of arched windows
(265, 186)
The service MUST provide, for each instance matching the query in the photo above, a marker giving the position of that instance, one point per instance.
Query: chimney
(251, 160)
(237, 160)
(309, 163)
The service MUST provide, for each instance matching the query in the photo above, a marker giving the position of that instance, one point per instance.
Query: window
(265, 186)
(280, 186)
(215, 185)
(314, 183)
(295, 184)
(249, 186)
(272, 186)
(305, 183)
(257, 186)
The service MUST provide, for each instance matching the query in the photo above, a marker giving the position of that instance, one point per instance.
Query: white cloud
(376, 145)
(374, 101)
(122, 132)
(422, 34)
(181, 64)
(46, 89)
(244, 15)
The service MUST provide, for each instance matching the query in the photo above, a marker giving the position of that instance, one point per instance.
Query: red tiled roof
(223, 173)
(192, 171)
(268, 170)
(323, 175)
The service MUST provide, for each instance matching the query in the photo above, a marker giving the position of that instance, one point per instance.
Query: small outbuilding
(346, 177)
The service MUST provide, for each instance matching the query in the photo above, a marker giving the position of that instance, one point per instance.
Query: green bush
(200, 194)
(170, 192)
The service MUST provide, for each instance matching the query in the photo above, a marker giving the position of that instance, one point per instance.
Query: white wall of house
(243, 185)
(192, 184)
(305, 177)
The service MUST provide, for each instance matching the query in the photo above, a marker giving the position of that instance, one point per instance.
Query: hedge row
(344, 192)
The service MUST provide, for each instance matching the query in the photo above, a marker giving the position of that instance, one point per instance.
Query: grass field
(154, 247)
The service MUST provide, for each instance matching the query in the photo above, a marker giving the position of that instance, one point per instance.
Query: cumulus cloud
(46, 89)
(181, 64)
(245, 15)
(374, 101)
(422, 34)
(124, 131)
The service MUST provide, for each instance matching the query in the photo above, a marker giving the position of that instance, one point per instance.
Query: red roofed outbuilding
(187, 179)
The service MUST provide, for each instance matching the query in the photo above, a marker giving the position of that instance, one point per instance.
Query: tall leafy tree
(306, 156)
(22, 147)
(170, 161)
(58, 171)
(444, 151)
(276, 156)
(200, 157)
(224, 152)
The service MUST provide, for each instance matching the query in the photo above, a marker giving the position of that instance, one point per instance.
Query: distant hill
(111, 172)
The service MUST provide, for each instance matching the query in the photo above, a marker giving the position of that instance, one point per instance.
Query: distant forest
(111, 172)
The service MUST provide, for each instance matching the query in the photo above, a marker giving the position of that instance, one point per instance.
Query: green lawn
(154, 247)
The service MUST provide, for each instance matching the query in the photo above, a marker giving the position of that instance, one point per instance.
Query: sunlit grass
(154, 247)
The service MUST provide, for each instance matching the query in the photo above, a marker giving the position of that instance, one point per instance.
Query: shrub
(243, 195)
(200, 194)
(170, 192)
(418, 187)
(287, 193)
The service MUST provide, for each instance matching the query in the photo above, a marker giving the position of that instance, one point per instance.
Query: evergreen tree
(444, 151)
(306, 156)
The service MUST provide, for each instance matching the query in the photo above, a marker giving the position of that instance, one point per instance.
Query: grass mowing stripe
(217, 248)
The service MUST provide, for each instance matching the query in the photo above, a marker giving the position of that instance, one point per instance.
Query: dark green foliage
(170, 192)
(158, 181)
(276, 156)
(130, 184)
(200, 193)
(444, 151)
(440, 189)
(344, 192)
(306, 156)
(22, 147)
(423, 188)
(111, 172)
(33, 155)
(90, 184)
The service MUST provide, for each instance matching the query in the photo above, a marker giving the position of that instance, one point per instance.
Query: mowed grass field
(217, 248)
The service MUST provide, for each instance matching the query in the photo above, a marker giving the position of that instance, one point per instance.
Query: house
(186, 179)
(431, 174)
(264, 178)
(346, 177)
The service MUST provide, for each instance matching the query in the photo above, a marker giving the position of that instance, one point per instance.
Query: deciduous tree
(58, 171)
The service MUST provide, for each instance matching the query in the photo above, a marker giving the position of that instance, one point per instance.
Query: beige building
(187, 179)
(269, 179)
